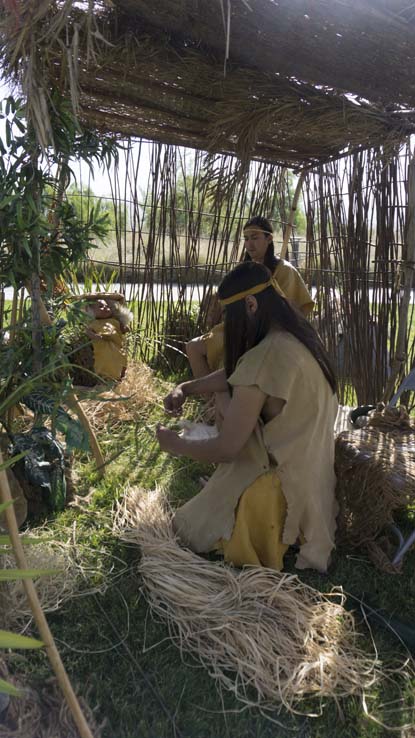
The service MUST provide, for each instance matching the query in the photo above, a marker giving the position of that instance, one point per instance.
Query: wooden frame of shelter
(298, 83)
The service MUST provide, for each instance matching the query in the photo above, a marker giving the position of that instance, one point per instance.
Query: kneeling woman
(275, 479)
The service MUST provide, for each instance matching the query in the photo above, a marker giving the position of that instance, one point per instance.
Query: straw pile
(265, 636)
(122, 73)
(40, 714)
(52, 589)
(376, 478)
(126, 401)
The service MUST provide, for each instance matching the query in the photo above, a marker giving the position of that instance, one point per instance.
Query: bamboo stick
(73, 402)
(13, 322)
(13, 316)
(2, 305)
(289, 226)
(408, 266)
(38, 614)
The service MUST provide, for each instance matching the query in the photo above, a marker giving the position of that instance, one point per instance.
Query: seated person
(105, 355)
(275, 481)
(205, 353)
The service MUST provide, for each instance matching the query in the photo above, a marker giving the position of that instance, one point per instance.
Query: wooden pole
(13, 315)
(38, 614)
(407, 268)
(289, 226)
(73, 402)
(13, 321)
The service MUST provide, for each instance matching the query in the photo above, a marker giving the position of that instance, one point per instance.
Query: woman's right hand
(174, 401)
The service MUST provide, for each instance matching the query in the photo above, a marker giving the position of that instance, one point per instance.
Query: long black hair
(241, 333)
(270, 260)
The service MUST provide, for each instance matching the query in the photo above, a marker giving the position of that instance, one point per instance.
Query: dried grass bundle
(36, 34)
(40, 715)
(53, 589)
(78, 574)
(265, 636)
(126, 401)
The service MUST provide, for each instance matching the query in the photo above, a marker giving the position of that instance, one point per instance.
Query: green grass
(113, 649)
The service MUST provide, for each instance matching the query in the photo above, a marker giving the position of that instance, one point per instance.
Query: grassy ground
(125, 661)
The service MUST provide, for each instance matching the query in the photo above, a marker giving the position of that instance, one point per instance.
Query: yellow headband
(245, 293)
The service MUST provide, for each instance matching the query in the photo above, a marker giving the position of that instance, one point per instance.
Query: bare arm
(215, 382)
(196, 353)
(239, 422)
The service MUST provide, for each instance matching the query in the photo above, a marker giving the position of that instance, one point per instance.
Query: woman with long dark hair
(205, 353)
(275, 478)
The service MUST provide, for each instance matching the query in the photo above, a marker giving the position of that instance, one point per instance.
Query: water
(156, 292)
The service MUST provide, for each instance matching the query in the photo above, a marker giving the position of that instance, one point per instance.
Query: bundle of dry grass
(265, 636)
(375, 479)
(40, 715)
(75, 573)
(126, 401)
(53, 589)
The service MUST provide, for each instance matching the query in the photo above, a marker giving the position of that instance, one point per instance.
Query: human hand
(174, 401)
(169, 440)
(92, 335)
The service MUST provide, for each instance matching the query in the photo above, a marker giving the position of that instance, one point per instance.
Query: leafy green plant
(40, 229)
(92, 277)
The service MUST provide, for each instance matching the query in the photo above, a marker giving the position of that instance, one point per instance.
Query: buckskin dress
(281, 486)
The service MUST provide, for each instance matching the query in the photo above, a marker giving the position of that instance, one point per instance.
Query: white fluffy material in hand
(197, 431)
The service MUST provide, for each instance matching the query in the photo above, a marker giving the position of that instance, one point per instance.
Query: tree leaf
(5, 505)
(5, 540)
(8, 688)
(10, 575)
(14, 640)
(10, 462)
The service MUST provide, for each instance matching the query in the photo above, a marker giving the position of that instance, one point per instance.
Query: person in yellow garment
(104, 354)
(205, 353)
(275, 480)
(106, 331)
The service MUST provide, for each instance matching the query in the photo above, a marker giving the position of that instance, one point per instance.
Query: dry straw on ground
(53, 589)
(40, 714)
(126, 401)
(74, 570)
(265, 636)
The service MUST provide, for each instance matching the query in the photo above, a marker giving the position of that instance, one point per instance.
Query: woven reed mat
(375, 469)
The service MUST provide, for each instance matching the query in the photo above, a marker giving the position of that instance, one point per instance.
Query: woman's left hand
(169, 440)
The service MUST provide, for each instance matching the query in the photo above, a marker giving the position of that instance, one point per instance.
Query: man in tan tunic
(275, 480)
(205, 352)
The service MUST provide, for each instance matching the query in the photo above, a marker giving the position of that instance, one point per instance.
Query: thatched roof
(305, 80)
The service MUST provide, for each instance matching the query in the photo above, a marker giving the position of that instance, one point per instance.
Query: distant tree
(300, 221)
(185, 208)
(84, 201)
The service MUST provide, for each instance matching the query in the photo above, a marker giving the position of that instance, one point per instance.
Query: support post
(407, 268)
(38, 614)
